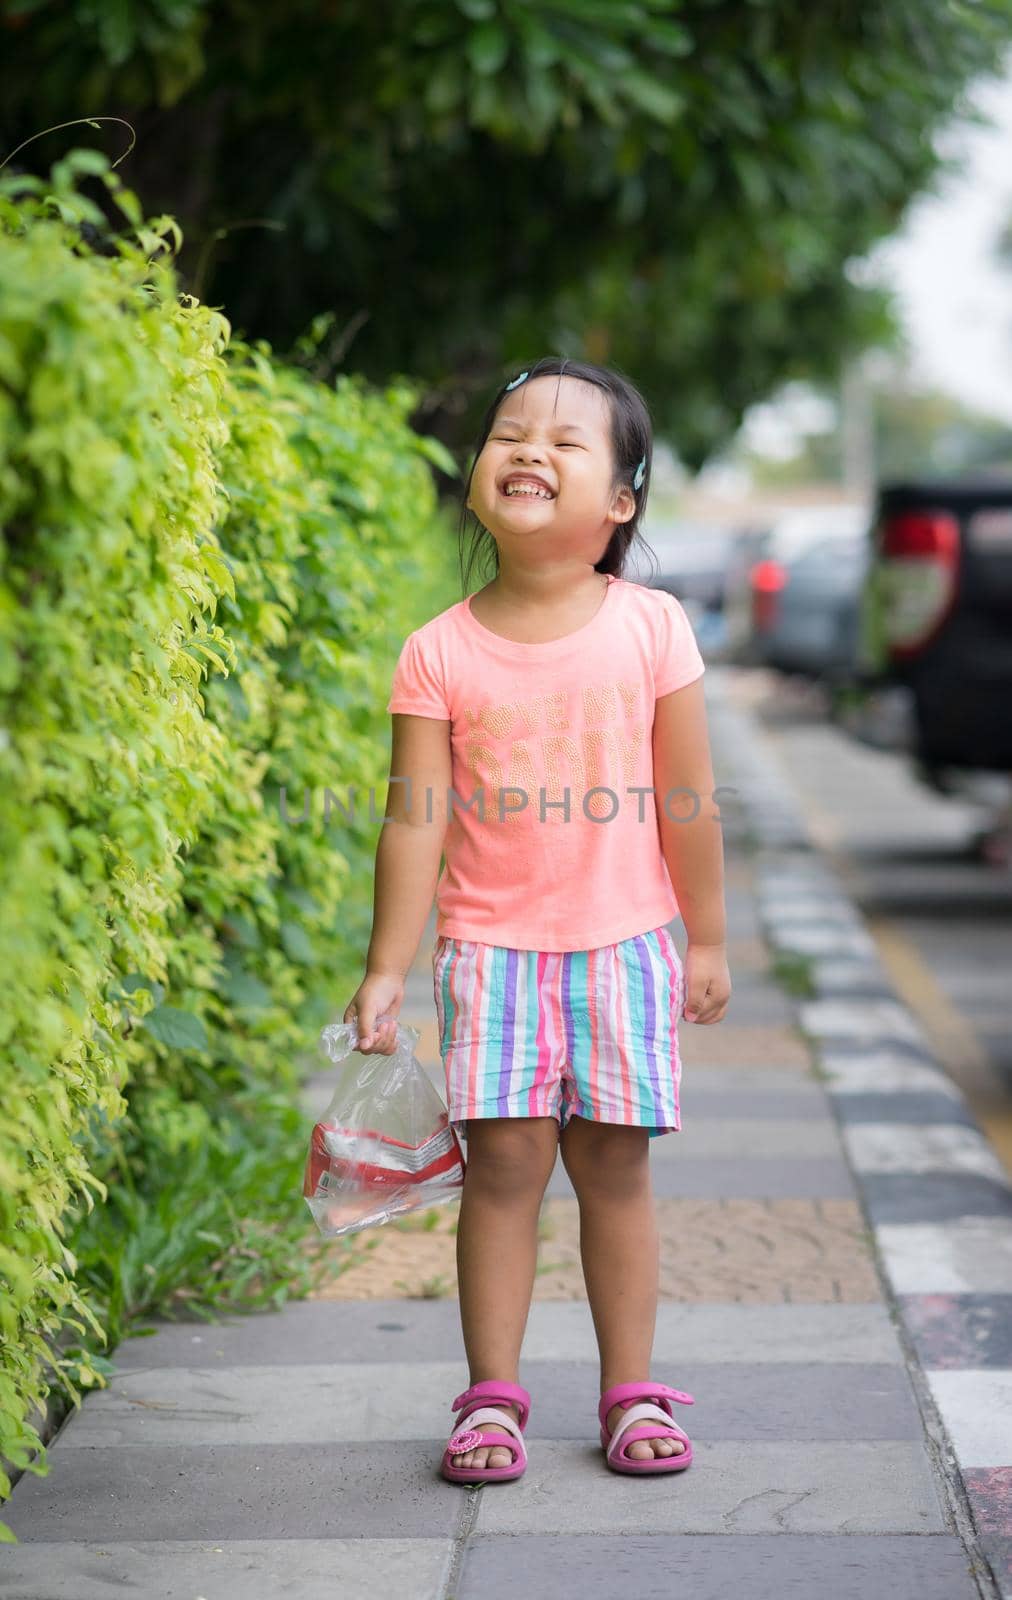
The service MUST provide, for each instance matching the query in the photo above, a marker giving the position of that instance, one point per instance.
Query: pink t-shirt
(529, 723)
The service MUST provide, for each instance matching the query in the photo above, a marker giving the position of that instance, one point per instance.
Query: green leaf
(241, 930)
(303, 899)
(297, 943)
(178, 1029)
(671, 38)
(651, 95)
(488, 47)
(753, 178)
(436, 452)
(134, 981)
(247, 993)
(82, 159)
(541, 47)
(218, 569)
(445, 87)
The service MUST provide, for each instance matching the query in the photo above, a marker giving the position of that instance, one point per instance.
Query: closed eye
(564, 444)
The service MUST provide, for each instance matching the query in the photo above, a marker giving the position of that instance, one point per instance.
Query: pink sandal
(652, 1398)
(472, 1409)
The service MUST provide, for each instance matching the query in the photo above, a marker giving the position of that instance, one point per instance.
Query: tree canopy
(462, 185)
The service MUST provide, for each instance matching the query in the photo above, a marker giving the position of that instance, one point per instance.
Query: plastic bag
(385, 1145)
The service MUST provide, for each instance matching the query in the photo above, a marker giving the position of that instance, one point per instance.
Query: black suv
(933, 673)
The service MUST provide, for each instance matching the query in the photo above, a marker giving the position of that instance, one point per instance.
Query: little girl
(549, 734)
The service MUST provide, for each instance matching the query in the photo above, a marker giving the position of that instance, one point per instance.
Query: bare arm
(693, 843)
(410, 846)
(408, 856)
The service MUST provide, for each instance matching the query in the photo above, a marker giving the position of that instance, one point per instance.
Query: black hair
(631, 441)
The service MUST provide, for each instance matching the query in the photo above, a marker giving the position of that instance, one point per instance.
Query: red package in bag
(384, 1146)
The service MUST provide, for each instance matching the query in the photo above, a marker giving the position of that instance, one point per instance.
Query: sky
(953, 297)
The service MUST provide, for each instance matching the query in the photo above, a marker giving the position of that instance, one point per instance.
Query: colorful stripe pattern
(534, 1033)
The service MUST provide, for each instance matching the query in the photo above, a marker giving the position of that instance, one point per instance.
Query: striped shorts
(534, 1033)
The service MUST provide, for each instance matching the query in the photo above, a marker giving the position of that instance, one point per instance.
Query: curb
(936, 1198)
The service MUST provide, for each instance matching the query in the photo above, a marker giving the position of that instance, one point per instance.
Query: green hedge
(209, 559)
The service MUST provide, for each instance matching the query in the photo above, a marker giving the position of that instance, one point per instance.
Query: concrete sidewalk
(836, 1262)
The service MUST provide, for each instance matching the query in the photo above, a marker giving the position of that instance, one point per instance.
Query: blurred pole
(857, 430)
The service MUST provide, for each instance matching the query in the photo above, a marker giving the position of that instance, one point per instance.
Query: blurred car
(933, 666)
(793, 588)
(692, 564)
(814, 613)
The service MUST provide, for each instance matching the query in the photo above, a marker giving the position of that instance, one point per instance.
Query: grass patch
(794, 972)
(204, 1218)
(439, 1287)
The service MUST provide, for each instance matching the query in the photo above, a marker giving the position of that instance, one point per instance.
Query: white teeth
(519, 488)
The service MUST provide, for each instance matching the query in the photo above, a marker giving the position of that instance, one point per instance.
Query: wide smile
(527, 492)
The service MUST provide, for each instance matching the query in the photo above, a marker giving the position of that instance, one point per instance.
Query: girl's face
(551, 439)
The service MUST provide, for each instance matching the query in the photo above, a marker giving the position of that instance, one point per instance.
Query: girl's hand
(707, 982)
(373, 1008)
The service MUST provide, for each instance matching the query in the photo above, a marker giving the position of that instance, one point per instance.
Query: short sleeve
(678, 660)
(417, 685)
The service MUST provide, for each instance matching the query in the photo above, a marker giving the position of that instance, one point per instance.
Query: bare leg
(509, 1163)
(609, 1166)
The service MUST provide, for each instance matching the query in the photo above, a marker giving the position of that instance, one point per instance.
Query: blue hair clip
(640, 472)
(521, 378)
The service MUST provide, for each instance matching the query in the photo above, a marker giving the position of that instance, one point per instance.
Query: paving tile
(786, 830)
(732, 1250)
(960, 1330)
(427, 1048)
(747, 955)
(758, 1250)
(315, 1332)
(997, 1551)
(178, 1407)
(725, 1044)
(909, 1106)
(659, 1566)
(700, 1161)
(757, 1005)
(311, 1404)
(700, 1333)
(402, 1258)
(711, 1138)
(742, 932)
(990, 1494)
(976, 1407)
(304, 1331)
(931, 1147)
(418, 983)
(837, 979)
(765, 1096)
(936, 1197)
(786, 1400)
(745, 1487)
(970, 1255)
(841, 1332)
(894, 1070)
(219, 1492)
(739, 873)
(811, 911)
(780, 880)
(830, 943)
(860, 1019)
(312, 1569)
(693, 1175)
